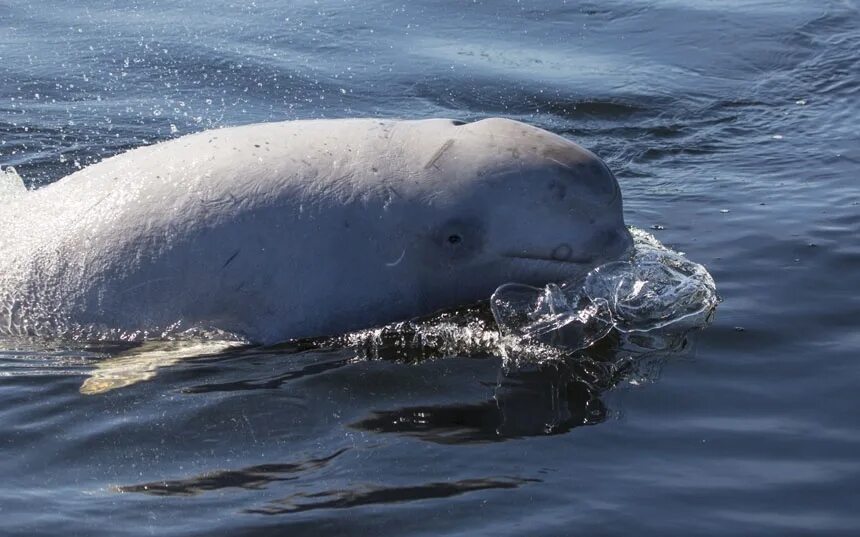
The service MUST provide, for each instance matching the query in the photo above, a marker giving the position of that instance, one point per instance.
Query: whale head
(426, 215)
(508, 203)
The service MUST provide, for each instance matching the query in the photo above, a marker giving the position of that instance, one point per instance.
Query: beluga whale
(302, 228)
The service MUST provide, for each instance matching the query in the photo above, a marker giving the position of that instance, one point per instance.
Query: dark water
(733, 129)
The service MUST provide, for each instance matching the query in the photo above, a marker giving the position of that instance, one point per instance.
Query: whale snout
(604, 246)
(601, 247)
(611, 244)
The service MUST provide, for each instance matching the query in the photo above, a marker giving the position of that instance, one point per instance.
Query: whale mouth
(570, 260)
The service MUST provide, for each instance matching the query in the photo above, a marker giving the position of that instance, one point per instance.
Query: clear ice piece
(653, 289)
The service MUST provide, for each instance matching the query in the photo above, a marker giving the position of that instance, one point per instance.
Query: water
(732, 129)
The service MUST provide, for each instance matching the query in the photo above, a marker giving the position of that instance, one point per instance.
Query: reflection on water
(268, 382)
(539, 399)
(525, 405)
(261, 476)
(253, 477)
(370, 495)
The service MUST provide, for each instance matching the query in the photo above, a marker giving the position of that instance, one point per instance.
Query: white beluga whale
(301, 228)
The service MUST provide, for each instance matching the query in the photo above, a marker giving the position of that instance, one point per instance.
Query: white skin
(304, 228)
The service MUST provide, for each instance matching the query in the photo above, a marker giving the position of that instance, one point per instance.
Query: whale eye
(457, 239)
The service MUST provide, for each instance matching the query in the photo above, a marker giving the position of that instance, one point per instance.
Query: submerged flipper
(142, 363)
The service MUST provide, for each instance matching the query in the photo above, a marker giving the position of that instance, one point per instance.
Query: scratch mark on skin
(432, 162)
(89, 211)
(560, 163)
(230, 260)
(399, 259)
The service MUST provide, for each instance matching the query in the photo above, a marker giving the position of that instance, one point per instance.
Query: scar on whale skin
(438, 154)
(399, 259)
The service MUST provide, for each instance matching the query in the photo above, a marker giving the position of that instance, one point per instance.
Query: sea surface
(733, 129)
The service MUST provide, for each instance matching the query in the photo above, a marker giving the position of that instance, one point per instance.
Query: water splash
(655, 288)
(11, 184)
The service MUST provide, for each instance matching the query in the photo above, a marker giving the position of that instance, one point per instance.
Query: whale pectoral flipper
(142, 363)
